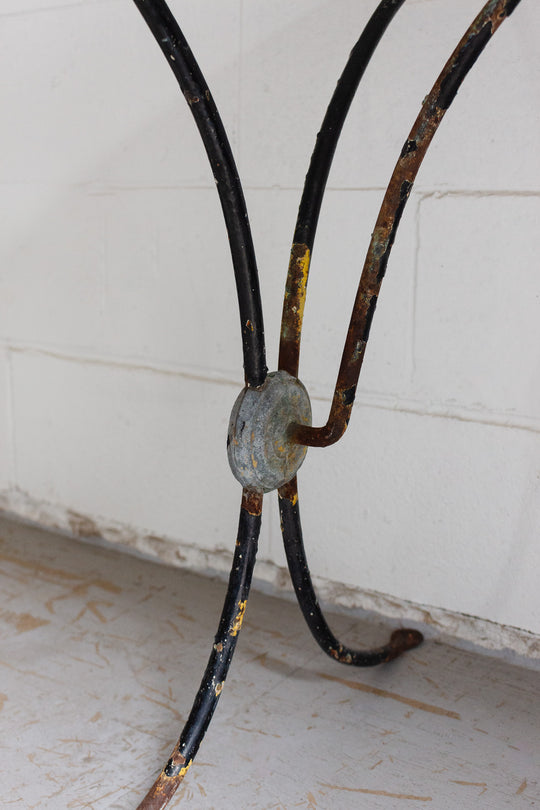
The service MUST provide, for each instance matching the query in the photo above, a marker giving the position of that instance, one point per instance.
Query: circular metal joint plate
(261, 455)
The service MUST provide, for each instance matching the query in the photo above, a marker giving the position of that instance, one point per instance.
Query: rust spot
(289, 491)
(166, 784)
(252, 501)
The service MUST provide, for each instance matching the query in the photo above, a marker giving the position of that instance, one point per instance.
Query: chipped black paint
(369, 318)
(466, 59)
(511, 6)
(408, 147)
(404, 193)
(171, 769)
(348, 396)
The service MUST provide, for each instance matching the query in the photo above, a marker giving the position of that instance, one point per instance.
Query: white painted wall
(119, 343)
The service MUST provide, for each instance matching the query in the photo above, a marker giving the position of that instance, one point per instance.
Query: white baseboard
(457, 629)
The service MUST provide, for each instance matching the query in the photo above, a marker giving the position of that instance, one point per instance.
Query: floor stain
(92, 606)
(47, 572)
(175, 713)
(482, 785)
(380, 793)
(22, 622)
(258, 731)
(81, 590)
(374, 690)
(521, 788)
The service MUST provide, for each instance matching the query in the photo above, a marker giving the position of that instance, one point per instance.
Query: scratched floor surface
(101, 654)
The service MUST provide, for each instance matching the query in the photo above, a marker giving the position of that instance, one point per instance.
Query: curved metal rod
(315, 183)
(213, 679)
(291, 328)
(397, 194)
(180, 59)
(400, 641)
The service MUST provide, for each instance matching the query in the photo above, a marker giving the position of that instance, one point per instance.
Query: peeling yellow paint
(219, 688)
(185, 769)
(302, 263)
(237, 624)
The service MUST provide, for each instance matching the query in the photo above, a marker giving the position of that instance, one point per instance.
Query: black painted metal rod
(317, 176)
(217, 668)
(334, 119)
(180, 59)
(400, 641)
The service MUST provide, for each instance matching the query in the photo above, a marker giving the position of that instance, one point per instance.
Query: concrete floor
(101, 655)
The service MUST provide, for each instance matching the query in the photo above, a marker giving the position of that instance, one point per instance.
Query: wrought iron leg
(195, 90)
(217, 668)
(400, 641)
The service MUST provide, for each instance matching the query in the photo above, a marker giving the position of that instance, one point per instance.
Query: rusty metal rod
(180, 59)
(213, 680)
(434, 107)
(315, 183)
(400, 641)
(395, 199)
(291, 328)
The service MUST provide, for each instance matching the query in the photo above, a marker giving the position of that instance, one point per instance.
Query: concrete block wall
(119, 340)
